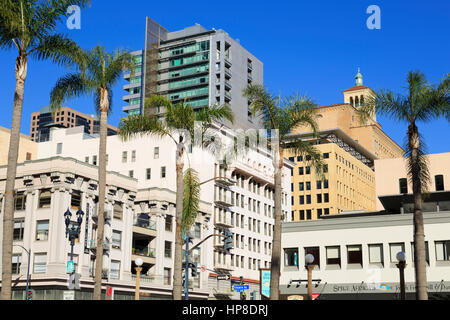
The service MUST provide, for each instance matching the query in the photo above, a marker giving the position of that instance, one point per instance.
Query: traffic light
(194, 271)
(30, 295)
(228, 242)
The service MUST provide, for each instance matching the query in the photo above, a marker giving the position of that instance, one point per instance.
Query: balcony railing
(144, 223)
(145, 252)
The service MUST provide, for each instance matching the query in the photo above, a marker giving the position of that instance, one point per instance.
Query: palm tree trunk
(276, 244)
(178, 259)
(101, 196)
(8, 217)
(419, 231)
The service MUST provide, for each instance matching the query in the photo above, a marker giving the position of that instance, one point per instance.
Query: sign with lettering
(70, 267)
(224, 277)
(265, 283)
(69, 295)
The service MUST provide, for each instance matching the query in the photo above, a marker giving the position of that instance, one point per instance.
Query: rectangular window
(308, 214)
(115, 270)
(45, 197)
(315, 251)
(168, 249)
(333, 255)
(427, 252)
(29, 156)
(124, 157)
(156, 153)
(42, 228)
(308, 199)
(75, 201)
(301, 171)
(302, 199)
(302, 214)
(133, 156)
(40, 263)
(148, 174)
(163, 172)
(403, 186)
(396, 248)
(354, 255)
(94, 160)
(291, 257)
(116, 239)
(118, 211)
(319, 185)
(20, 201)
(59, 148)
(169, 223)
(442, 250)
(326, 198)
(439, 181)
(308, 186)
(131, 174)
(19, 227)
(376, 253)
(325, 184)
(16, 262)
(308, 170)
(301, 186)
(197, 230)
(167, 276)
(319, 198)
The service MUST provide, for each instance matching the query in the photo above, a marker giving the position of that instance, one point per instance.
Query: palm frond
(68, 87)
(138, 125)
(191, 198)
(303, 148)
(421, 166)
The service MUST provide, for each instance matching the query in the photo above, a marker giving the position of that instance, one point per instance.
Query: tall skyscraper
(203, 67)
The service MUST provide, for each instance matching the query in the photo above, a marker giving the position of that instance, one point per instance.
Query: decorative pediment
(79, 182)
(144, 206)
(132, 196)
(120, 193)
(112, 190)
(93, 185)
(55, 177)
(70, 178)
(28, 181)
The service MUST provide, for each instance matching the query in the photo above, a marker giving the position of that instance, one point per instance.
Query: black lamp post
(73, 232)
(401, 257)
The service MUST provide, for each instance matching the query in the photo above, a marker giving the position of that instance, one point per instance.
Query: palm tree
(29, 27)
(102, 71)
(422, 103)
(283, 115)
(176, 118)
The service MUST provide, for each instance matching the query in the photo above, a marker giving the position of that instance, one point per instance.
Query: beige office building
(27, 147)
(349, 149)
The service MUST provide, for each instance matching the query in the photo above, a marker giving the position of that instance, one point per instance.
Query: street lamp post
(139, 262)
(28, 270)
(73, 232)
(309, 259)
(401, 257)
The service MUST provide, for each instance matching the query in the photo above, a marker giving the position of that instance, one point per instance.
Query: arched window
(351, 101)
(362, 101)
(357, 102)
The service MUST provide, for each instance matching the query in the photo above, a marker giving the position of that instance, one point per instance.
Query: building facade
(392, 179)
(203, 67)
(27, 147)
(355, 256)
(349, 182)
(42, 122)
(245, 207)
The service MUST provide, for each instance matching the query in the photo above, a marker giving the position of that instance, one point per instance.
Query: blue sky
(311, 47)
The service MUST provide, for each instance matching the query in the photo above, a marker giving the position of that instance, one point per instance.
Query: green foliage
(191, 198)
(29, 26)
(99, 72)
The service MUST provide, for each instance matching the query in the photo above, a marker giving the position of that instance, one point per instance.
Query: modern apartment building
(393, 184)
(27, 147)
(44, 120)
(349, 183)
(349, 149)
(246, 207)
(203, 67)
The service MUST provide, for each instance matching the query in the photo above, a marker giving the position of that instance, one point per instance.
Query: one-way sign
(224, 277)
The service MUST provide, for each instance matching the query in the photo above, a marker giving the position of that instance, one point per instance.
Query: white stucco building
(148, 164)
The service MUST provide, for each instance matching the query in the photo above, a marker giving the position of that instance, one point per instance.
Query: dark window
(326, 197)
(439, 180)
(302, 186)
(291, 257)
(403, 186)
(75, 201)
(45, 198)
(168, 249)
(325, 184)
(20, 201)
(149, 174)
(326, 155)
(168, 223)
(308, 170)
(308, 158)
(319, 213)
(302, 214)
(19, 227)
(327, 212)
(308, 186)
(325, 168)
(319, 185)
(354, 254)
(308, 214)
(292, 159)
(333, 255)
(299, 158)
(315, 251)
(319, 198)
(302, 199)
(301, 171)
(308, 199)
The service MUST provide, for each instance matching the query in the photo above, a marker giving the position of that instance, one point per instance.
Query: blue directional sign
(241, 288)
